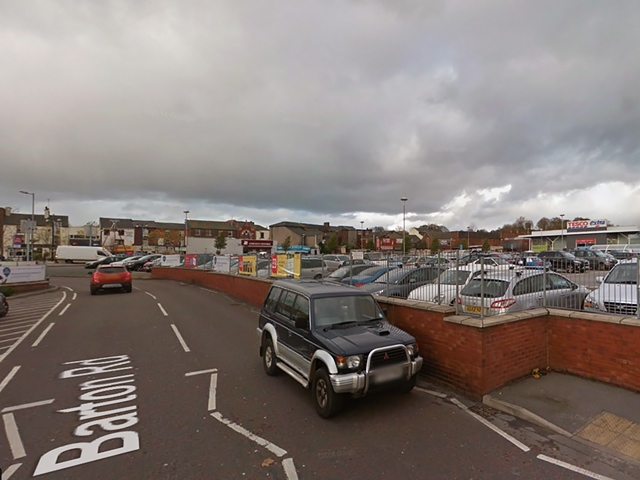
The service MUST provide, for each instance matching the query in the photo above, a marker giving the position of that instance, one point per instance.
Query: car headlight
(352, 361)
(590, 302)
(413, 349)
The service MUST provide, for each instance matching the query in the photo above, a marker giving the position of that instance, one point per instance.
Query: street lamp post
(30, 230)
(186, 213)
(361, 233)
(404, 203)
(562, 230)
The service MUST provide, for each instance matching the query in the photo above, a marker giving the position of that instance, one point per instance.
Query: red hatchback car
(107, 277)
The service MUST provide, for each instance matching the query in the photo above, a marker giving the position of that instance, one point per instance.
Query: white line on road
(200, 372)
(11, 328)
(39, 339)
(64, 309)
(431, 392)
(180, 339)
(68, 288)
(27, 405)
(573, 468)
(5, 354)
(164, 312)
(15, 322)
(15, 442)
(10, 340)
(484, 421)
(243, 431)
(290, 469)
(9, 376)
(75, 295)
(151, 295)
(212, 392)
(10, 471)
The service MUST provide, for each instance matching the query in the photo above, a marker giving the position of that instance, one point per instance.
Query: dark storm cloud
(325, 107)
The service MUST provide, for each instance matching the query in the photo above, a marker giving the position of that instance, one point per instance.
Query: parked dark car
(4, 305)
(367, 276)
(564, 261)
(102, 261)
(346, 272)
(597, 260)
(137, 264)
(400, 281)
(335, 341)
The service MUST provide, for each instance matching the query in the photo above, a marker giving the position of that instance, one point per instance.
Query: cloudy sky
(323, 110)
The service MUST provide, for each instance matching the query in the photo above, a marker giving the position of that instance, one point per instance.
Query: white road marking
(10, 471)
(15, 442)
(9, 340)
(9, 376)
(11, 328)
(14, 322)
(39, 339)
(199, 372)
(13, 333)
(431, 392)
(180, 339)
(64, 309)
(27, 405)
(68, 288)
(212, 392)
(164, 312)
(290, 469)
(573, 468)
(243, 431)
(75, 295)
(151, 295)
(35, 325)
(487, 423)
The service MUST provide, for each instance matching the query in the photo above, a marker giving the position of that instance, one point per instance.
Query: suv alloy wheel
(269, 358)
(328, 403)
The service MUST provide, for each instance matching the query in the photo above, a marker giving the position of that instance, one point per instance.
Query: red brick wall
(603, 351)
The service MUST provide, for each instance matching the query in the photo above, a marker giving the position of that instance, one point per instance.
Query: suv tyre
(269, 359)
(327, 402)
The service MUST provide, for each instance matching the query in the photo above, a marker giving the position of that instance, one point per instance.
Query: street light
(361, 233)
(30, 230)
(186, 212)
(562, 230)
(404, 203)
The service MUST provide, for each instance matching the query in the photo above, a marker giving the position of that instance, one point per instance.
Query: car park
(400, 281)
(597, 259)
(564, 261)
(335, 341)
(109, 277)
(510, 291)
(313, 267)
(446, 287)
(617, 292)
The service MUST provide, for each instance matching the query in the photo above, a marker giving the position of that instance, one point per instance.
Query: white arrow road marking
(10, 471)
(251, 436)
(15, 442)
(180, 339)
(27, 405)
(573, 468)
(190, 374)
(212, 392)
(39, 339)
(504, 435)
(9, 376)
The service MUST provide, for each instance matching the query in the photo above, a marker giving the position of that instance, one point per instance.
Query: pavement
(599, 414)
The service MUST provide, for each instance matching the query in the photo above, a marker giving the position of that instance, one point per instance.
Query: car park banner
(170, 260)
(190, 260)
(222, 263)
(285, 265)
(22, 274)
(247, 265)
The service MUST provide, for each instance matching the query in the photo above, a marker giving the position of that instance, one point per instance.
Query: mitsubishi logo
(386, 356)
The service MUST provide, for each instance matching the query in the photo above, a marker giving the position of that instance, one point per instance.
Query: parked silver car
(617, 292)
(515, 290)
(313, 267)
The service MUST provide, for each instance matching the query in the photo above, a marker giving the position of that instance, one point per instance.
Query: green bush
(8, 291)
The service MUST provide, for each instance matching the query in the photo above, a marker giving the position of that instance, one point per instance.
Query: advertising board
(21, 274)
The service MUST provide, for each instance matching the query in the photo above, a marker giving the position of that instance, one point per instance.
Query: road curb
(524, 414)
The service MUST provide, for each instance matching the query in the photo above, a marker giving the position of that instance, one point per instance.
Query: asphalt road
(166, 383)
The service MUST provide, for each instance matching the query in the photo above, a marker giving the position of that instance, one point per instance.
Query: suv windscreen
(623, 273)
(492, 287)
(329, 311)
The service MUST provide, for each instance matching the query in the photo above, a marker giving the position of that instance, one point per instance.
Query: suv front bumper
(359, 382)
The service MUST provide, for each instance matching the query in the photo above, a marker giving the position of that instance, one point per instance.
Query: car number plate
(112, 285)
(387, 375)
(472, 309)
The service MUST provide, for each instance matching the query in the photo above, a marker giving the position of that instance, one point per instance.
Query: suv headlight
(352, 361)
(413, 349)
(590, 302)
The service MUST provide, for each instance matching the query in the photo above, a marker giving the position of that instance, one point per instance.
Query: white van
(71, 253)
